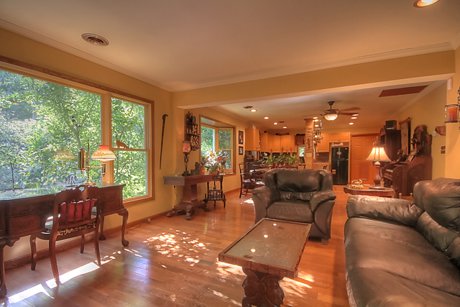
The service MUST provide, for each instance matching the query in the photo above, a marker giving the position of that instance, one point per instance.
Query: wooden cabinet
(287, 143)
(339, 137)
(192, 131)
(264, 142)
(391, 141)
(252, 139)
(277, 143)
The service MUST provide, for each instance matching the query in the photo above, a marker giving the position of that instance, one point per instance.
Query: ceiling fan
(332, 114)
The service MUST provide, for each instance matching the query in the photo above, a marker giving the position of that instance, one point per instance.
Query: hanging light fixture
(331, 114)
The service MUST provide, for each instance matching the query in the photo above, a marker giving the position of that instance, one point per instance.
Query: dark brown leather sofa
(297, 195)
(401, 253)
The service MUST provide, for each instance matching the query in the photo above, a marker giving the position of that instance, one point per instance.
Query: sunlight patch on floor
(227, 272)
(84, 269)
(248, 201)
(227, 299)
(18, 297)
(178, 244)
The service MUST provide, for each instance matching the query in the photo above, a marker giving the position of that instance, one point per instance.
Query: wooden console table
(269, 251)
(189, 195)
(23, 213)
(366, 190)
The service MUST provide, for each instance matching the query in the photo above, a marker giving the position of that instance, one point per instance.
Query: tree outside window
(43, 125)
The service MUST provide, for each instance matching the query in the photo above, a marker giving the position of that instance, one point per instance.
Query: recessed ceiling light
(266, 117)
(284, 127)
(354, 117)
(351, 123)
(95, 39)
(355, 114)
(424, 3)
(315, 117)
(253, 110)
(275, 123)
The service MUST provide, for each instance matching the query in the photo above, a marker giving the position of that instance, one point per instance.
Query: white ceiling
(187, 44)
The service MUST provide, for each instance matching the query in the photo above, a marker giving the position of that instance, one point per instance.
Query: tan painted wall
(384, 72)
(429, 110)
(452, 164)
(32, 52)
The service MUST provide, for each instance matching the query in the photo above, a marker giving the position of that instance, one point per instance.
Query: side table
(366, 190)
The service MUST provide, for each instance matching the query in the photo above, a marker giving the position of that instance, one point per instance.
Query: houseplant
(213, 162)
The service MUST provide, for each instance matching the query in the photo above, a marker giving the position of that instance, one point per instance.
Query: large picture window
(218, 137)
(44, 125)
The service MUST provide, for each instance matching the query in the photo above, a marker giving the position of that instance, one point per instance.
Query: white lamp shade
(378, 154)
(331, 116)
(103, 154)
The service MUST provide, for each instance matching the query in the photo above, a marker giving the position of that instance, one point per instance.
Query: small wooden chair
(249, 181)
(215, 191)
(72, 217)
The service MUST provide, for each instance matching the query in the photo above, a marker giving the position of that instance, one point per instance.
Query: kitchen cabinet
(252, 139)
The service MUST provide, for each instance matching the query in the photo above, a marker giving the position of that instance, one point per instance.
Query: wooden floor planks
(173, 262)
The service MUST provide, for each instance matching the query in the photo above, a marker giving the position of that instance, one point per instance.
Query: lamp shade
(331, 116)
(186, 147)
(378, 154)
(103, 154)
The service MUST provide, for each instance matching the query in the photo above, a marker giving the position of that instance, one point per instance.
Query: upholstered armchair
(297, 195)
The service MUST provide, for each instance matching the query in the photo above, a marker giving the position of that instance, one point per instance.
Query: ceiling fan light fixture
(424, 3)
(331, 116)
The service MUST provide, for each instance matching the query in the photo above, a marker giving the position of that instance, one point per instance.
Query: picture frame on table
(240, 137)
(240, 150)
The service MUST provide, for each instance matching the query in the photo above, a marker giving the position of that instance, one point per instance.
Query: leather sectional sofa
(401, 253)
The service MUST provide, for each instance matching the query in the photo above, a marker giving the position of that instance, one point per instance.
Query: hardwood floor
(173, 262)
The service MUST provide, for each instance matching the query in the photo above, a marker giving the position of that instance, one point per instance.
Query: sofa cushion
(298, 180)
(441, 199)
(298, 211)
(398, 250)
(442, 238)
(376, 287)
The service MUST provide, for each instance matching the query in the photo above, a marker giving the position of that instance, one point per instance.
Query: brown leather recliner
(297, 195)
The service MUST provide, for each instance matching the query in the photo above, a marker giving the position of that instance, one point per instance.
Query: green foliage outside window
(43, 125)
(128, 122)
(38, 119)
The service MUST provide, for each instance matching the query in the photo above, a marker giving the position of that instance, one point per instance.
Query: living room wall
(31, 52)
(452, 165)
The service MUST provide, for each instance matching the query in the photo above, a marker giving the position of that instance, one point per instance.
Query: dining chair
(73, 216)
(249, 180)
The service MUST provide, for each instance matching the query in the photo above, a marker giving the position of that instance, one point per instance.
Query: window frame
(227, 171)
(106, 93)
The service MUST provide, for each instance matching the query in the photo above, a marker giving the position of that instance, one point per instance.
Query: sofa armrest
(262, 198)
(391, 209)
(321, 197)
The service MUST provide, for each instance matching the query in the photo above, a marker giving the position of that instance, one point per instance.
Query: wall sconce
(103, 154)
(451, 113)
(186, 149)
(378, 155)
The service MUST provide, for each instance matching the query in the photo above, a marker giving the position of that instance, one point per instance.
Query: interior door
(360, 168)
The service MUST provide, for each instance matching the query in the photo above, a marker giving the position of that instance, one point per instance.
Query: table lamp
(378, 155)
(186, 149)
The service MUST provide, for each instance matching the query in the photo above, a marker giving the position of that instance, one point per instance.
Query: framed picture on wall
(240, 150)
(404, 126)
(240, 137)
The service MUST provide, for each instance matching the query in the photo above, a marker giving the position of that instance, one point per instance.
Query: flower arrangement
(214, 162)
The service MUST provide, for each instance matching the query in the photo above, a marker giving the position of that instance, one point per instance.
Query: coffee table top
(271, 246)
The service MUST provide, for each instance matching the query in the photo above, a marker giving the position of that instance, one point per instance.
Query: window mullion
(106, 133)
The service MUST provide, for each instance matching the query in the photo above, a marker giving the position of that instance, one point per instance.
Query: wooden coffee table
(366, 190)
(269, 251)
